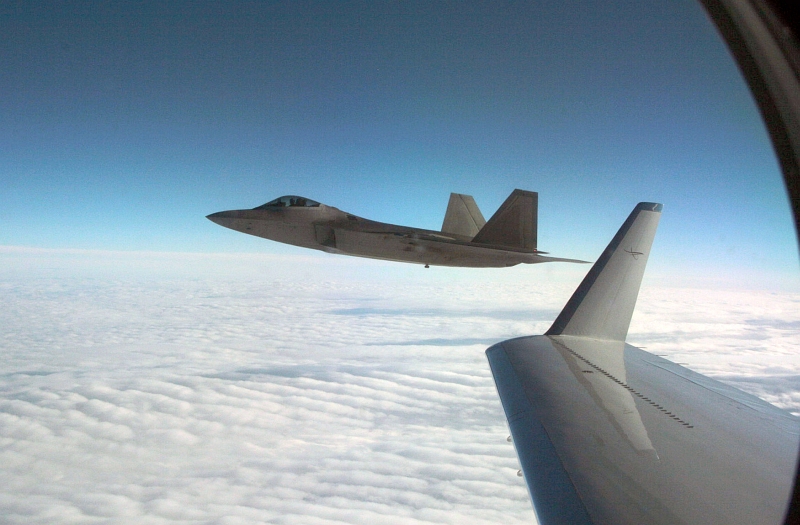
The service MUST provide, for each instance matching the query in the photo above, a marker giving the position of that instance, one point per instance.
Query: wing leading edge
(608, 433)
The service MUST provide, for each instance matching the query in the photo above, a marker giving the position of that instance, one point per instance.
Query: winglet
(602, 306)
(514, 223)
(462, 216)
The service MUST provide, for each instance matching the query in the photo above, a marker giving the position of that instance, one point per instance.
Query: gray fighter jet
(466, 238)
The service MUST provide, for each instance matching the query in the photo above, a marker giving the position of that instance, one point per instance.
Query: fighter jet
(466, 238)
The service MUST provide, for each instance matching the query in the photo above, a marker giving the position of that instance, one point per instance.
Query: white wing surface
(608, 433)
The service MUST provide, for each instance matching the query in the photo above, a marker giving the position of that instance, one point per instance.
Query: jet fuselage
(302, 222)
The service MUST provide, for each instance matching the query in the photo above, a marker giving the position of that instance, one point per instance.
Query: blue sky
(124, 124)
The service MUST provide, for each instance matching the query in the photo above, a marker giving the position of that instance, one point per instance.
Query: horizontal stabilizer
(514, 224)
(602, 306)
(463, 216)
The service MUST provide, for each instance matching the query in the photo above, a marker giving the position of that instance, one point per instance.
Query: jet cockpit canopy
(287, 201)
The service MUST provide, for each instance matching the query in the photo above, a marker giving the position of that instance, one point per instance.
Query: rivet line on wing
(631, 390)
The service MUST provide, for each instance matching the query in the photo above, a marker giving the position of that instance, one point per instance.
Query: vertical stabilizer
(463, 216)
(602, 306)
(513, 225)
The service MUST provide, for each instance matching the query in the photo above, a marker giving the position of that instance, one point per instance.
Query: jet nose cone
(223, 218)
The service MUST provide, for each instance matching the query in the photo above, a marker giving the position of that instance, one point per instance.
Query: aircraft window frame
(290, 201)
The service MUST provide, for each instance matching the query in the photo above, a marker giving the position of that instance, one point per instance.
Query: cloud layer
(237, 401)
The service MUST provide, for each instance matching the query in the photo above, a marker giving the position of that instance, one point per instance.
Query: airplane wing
(608, 433)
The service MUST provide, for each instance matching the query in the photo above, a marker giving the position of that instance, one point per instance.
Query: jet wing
(608, 433)
(612, 434)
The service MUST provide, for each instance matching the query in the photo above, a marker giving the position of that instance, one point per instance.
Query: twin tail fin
(514, 224)
(463, 216)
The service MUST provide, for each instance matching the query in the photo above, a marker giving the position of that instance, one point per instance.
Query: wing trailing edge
(602, 306)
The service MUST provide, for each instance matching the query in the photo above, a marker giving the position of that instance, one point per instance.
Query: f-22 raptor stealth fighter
(466, 238)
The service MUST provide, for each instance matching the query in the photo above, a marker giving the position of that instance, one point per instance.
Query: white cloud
(249, 400)
(748, 338)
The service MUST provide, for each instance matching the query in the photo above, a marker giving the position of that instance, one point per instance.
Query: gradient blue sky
(124, 124)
